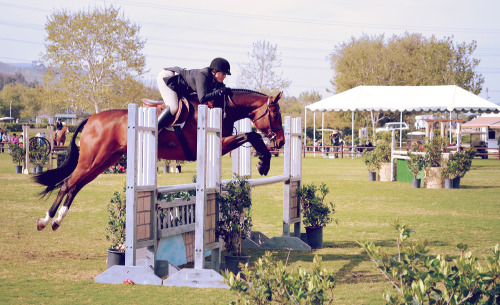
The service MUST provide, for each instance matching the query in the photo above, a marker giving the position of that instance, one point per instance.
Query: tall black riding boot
(165, 118)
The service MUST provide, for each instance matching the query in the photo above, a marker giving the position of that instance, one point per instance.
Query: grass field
(59, 267)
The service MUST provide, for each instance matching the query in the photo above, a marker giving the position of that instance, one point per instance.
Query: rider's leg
(169, 98)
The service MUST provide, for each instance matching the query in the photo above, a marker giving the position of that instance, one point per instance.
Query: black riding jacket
(199, 82)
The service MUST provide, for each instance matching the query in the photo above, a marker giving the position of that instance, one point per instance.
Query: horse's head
(267, 119)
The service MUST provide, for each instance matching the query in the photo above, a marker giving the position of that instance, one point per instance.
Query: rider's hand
(226, 91)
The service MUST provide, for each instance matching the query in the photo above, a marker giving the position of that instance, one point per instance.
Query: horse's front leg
(233, 142)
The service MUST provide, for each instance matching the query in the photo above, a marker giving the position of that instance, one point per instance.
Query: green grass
(59, 267)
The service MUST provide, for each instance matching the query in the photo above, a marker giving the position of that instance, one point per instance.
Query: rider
(59, 126)
(207, 84)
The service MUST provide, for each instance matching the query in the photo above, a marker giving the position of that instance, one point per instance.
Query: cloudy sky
(189, 33)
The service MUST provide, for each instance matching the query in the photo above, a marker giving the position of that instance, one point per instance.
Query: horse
(60, 136)
(103, 141)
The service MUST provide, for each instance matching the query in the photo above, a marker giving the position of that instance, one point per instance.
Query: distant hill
(30, 74)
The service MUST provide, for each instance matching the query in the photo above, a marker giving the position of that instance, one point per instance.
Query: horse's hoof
(55, 225)
(39, 224)
(263, 170)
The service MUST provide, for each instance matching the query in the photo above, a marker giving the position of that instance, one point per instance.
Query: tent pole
(323, 133)
(352, 136)
(451, 136)
(401, 129)
(305, 130)
(314, 133)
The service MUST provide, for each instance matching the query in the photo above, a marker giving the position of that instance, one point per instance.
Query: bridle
(271, 135)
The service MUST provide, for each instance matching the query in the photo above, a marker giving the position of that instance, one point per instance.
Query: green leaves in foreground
(272, 283)
(422, 279)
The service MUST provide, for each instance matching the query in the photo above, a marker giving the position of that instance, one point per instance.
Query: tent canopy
(405, 98)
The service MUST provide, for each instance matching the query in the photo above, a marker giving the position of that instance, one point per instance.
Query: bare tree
(260, 73)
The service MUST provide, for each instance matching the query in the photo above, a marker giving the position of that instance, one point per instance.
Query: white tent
(405, 98)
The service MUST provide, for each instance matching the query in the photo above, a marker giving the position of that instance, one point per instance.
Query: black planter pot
(19, 169)
(415, 183)
(179, 169)
(315, 237)
(115, 258)
(233, 262)
(456, 182)
(372, 176)
(448, 184)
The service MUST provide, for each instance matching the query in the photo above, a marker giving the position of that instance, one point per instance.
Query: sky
(190, 33)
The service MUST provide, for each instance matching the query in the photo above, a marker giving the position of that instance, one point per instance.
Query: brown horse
(103, 141)
(60, 136)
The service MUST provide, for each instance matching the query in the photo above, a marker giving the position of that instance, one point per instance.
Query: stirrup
(165, 118)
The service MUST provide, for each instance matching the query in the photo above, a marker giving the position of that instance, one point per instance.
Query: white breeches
(169, 96)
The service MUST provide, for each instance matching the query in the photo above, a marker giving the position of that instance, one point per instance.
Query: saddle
(180, 117)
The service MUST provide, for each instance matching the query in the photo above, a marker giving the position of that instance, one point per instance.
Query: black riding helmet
(220, 64)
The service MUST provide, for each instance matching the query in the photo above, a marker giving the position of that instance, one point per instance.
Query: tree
(259, 74)
(25, 101)
(407, 60)
(93, 60)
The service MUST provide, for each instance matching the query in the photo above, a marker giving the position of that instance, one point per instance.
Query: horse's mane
(248, 91)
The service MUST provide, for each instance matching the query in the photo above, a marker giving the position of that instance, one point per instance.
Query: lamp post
(10, 114)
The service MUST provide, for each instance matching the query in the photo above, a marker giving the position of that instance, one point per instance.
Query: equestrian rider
(206, 84)
(59, 126)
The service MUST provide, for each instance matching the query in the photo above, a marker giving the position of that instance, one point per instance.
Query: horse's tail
(54, 178)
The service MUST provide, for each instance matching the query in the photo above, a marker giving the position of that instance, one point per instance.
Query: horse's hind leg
(63, 211)
(42, 222)
(74, 185)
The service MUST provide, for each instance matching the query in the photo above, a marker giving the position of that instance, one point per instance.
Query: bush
(315, 212)
(235, 221)
(272, 283)
(17, 153)
(423, 279)
(117, 212)
(371, 161)
(415, 163)
(433, 151)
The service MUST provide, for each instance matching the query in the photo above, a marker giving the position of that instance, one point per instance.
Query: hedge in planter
(235, 222)
(17, 153)
(115, 232)
(316, 214)
(433, 160)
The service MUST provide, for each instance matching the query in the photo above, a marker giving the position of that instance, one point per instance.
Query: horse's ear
(278, 97)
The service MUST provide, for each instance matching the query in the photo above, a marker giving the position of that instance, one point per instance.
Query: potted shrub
(383, 153)
(234, 221)
(372, 164)
(17, 153)
(415, 165)
(166, 166)
(316, 214)
(39, 156)
(178, 165)
(115, 231)
(433, 160)
(449, 170)
(464, 162)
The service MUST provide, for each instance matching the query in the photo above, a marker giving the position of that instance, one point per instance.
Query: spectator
(21, 140)
(14, 139)
(5, 139)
